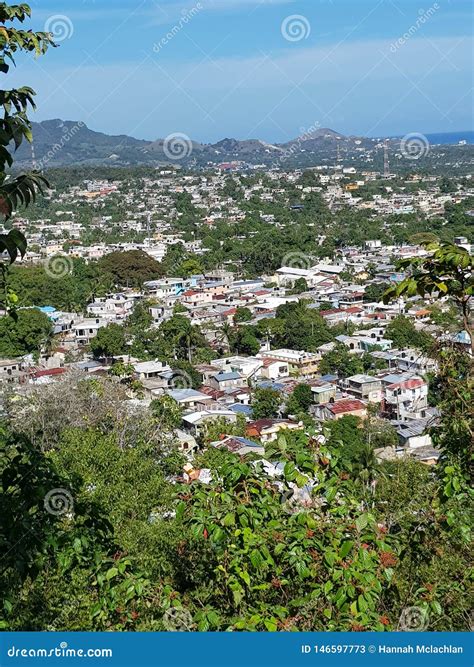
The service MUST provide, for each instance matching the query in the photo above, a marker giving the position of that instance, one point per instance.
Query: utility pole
(386, 163)
(33, 155)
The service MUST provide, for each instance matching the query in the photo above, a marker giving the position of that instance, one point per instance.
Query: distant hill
(63, 143)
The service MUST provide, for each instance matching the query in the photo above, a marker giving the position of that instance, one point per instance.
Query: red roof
(333, 311)
(268, 362)
(354, 309)
(48, 371)
(212, 393)
(261, 424)
(407, 384)
(346, 405)
(231, 311)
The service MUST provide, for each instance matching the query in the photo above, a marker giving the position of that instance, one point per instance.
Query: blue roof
(462, 337)
(222, 377)
(329, 378)
(271, 385)
(241, 409)
(47, 309)
(245, 441)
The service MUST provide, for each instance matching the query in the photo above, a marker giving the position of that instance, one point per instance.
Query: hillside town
(236, 379)
(151, 208)
(369, 365)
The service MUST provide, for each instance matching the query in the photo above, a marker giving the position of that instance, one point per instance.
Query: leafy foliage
(265, 403)
(28, 332)
(130, 268)
(448, 270)
(15, 126)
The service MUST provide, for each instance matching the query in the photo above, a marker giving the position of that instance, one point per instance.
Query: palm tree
(367, 467)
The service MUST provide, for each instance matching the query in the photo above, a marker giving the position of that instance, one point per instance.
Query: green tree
(244, 341)
(402, 332)
(300, 400)
(265, 403)
(299, 286)
(185, 338)
(110, 341)
(15, 126)
(242, 315)
(29, 332)
(214, 429)
(130, 268)
(375, 291)
(140, 319)
(302, 328)
(341, 362)
(347, 436)
(167, 411)
(448, 270)
(190, 267)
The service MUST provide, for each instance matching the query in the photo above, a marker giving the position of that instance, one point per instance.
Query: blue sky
(247, 68)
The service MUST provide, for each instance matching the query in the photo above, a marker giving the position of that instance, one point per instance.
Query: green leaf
(329, 557)
(361, 522)
(271, 624)
(346, 548)
(229, 519)
(245, 576)
(362, 603)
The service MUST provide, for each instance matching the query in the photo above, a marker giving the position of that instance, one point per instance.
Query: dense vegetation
(99, 529)
(99, 536)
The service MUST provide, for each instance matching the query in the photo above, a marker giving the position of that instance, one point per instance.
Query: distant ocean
(447, 137)
(450, 137)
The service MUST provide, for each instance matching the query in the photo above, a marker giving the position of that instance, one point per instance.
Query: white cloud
(356, 84)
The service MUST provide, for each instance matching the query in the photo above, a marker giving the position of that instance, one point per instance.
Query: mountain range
(59, 143)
